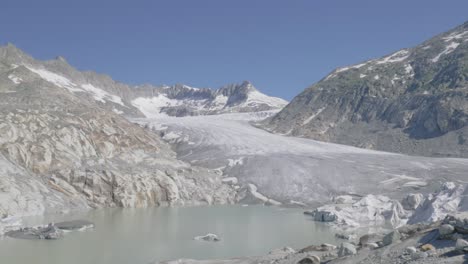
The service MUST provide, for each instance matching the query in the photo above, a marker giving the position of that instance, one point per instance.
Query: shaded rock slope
(412, 101)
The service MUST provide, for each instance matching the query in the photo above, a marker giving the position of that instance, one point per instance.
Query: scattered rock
(282, 251)
(371, 245)
(446, 230)
(310, 260)
(461, 245)
(412, 201)
(345, 236)
(370, 238)
(458, 221)
(346, 249)
(410, 250)
(427, 247)
(208, 237)
(419, 255)
(322, 247)
(391, 238)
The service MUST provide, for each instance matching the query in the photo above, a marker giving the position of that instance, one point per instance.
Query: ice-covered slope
(297, 169)
(412, 101)
(182, 100)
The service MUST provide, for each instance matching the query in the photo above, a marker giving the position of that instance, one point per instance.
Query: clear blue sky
(281, 46)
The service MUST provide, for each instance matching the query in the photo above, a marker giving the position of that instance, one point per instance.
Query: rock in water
(42, 232)
(74, 225)
(391, 238)
(346, 249)
(208, 237)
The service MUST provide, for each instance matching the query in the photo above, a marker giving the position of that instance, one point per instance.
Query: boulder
(391, 238)
(346, 249)
(427, 247)
(458, 221)
(52, 232)
(370, 238)
(310, 260)
(371, 245)
(461, 245)
(208, 237)
(412, 201)
(345, 236)
(410, 250)
(446, 230)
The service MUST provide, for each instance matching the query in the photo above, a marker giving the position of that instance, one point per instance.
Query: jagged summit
(138, 101)
(183, 100)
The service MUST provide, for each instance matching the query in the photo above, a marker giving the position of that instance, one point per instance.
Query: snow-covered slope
(182, 100)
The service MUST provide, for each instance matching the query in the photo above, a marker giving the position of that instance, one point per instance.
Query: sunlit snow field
(289, 168)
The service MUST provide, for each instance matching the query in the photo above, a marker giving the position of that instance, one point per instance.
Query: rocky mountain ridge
(66, 144)
(412, 101)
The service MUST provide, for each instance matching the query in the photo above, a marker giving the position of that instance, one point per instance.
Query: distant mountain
(182, 100)
(412, 101)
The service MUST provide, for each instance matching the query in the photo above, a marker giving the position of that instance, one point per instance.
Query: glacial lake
(142, 236)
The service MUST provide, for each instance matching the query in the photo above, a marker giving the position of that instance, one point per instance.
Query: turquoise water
(123, 236)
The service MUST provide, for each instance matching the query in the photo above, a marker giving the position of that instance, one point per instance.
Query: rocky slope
(63, 145)
(412, 101)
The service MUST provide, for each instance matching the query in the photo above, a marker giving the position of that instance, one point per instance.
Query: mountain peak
(61, 59)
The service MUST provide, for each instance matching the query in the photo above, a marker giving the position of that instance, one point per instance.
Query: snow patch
(455, 36)
(448, 49)
(15, 79)
(256, 97)
(56, 79)
(101, 95)
(362, 75)
(395, 57)
(61, 81)
(409, 70)
(307, 121)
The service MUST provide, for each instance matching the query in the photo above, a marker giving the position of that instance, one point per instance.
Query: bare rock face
(412, 101)
(65, 145)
